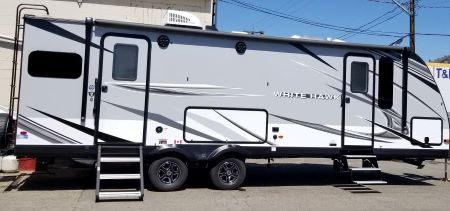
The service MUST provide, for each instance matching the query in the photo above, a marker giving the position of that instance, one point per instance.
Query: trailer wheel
(228, 174)
(3, 128)
(168, 174)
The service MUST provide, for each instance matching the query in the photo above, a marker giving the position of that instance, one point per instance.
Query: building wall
(441, 73)
(141, 11)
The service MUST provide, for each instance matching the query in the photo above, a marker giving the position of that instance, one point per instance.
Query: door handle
(104, 89)
(347, 100)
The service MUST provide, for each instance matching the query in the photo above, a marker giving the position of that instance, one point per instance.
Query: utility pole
(412, 25)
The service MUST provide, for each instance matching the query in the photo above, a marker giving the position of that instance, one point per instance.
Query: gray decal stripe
(240, 127)
(400, 65)
(38, 129)
(164, 120)
(306, 50)
(429, 84)
(54, 29)
(38, 133)
(411, 94)
(173, 91)
(217, 127)
(156, 90)
(326, 129)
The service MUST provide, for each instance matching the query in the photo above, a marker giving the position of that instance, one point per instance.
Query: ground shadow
(258, 175)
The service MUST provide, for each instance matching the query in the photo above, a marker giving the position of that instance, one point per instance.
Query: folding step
(371, 182)
(119, 176)
(365, 169)
(120, 195)
(114, 171)
(359, 156)
(120, 159)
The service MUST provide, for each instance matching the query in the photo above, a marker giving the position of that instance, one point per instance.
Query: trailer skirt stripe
(103, 136)
(306, 50)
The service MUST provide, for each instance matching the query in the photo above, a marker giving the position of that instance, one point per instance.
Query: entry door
(123, 82)
(358, 101)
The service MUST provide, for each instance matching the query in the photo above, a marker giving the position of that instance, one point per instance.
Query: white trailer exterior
(98, 82)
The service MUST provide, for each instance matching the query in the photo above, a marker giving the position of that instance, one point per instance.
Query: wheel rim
(169, 172)
(228, 173)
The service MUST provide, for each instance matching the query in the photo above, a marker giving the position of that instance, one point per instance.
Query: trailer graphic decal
(170, 90)
(307, 96)
(326, 129)
(54, 29)
(89, 131)
(164, 120)
(403, 136)
(44, 132)
(306, 50)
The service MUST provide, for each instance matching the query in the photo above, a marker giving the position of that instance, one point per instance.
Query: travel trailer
(183, 97)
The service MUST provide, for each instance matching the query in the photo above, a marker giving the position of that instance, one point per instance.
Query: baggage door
(122, 89)
(358, 101)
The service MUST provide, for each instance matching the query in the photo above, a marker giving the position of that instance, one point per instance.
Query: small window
(125, 62)
(49, 64)
(359, 77)
(386, 83)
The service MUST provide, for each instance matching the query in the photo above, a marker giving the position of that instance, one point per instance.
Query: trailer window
(359, 77)
(125, 62)
(49, 64)
(386, 83)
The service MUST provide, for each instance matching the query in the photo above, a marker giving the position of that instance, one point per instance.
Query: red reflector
(23, 132)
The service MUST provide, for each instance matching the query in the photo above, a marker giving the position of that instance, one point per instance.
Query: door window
(125, 62)
(359, 81)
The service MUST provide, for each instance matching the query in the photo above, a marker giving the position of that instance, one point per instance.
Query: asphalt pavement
(287, 184)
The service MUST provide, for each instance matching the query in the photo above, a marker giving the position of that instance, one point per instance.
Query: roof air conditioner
(182, 19)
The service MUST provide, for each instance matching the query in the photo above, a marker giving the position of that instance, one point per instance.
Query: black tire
(168, 174)
(228, 174)
(4, 118)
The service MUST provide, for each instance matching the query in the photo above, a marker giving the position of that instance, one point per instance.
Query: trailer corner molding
(300, 95)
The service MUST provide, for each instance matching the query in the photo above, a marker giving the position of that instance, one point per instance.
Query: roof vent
(182, 19)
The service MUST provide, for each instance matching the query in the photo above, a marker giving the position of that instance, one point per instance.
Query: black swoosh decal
(413, 141)
(54, 29)
(306, 50)
(105, 137)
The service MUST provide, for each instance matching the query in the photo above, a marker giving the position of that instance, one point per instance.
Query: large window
(359, 77)
(49, 64)
(125, 62)
(385, 83)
